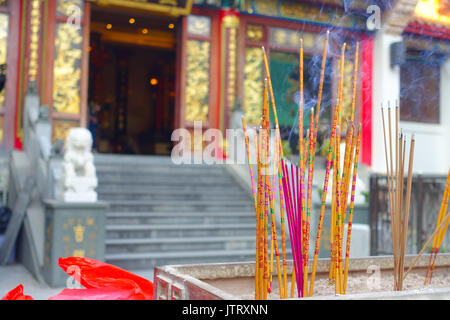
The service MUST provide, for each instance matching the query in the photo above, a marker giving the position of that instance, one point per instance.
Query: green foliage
(286, 148)
(320, 192)
(366, 195)
(324, 147)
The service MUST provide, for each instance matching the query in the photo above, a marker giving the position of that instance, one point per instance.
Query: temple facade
(132, 71)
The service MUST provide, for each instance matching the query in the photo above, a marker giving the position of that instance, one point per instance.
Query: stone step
(158, 218)
(172, 190)
(150, 260)
(125, 160)
(161, 169)
(151, 196)
(180, 231)
(165, 180)
(134, 245)
(175, 205)
(137, 174)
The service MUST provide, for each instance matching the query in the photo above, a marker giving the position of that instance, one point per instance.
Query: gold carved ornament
(253, 84)
(34, 39)
(61, 128)
(67, 70)
(347, 94)
(255, 32)
(64, 6)
(169, 7)
(197, 80)
(232, 60)
(4, 24)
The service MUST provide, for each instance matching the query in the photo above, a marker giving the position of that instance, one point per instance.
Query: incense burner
(235, 281)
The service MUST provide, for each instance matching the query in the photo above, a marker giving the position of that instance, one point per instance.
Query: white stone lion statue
(79, 178)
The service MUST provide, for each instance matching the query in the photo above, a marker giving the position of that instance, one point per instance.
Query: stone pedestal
(72, 229)
(82, 190)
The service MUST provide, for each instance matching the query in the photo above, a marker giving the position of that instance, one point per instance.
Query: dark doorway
(132, 82)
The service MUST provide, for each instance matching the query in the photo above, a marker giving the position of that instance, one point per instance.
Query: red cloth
(97, 294)
(103, 282)
(17, 294)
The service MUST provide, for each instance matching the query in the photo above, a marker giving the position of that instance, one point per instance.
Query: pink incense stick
(293, 228)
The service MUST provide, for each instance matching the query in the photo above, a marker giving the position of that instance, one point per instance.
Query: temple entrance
(132, 81)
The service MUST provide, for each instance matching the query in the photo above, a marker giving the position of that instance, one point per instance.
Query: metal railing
(426, 197)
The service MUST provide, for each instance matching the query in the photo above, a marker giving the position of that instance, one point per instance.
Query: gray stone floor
(14, 274)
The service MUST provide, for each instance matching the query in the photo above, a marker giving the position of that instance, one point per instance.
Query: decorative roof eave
(433, 12)
(325, 13)
(428, 30)
(398, 18)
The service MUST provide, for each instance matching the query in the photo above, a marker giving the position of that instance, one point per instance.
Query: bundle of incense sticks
(399, 200)
(295, 192)
(263, 187)
(440, 231)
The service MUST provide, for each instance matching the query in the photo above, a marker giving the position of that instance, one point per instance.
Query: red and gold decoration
(229, 44)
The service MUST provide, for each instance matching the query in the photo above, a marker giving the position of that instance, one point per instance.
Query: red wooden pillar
(8, 110)
(366, 98)
(229, 21)
(19, 11)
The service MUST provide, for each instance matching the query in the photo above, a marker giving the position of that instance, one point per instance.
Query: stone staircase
(163, 214)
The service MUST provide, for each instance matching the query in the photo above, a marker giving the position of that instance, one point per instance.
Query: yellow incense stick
(280, 174)
(352, 202)
(322, 207)
(441, 233)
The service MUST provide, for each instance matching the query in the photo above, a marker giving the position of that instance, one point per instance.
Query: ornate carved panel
(253, 84)
(68, 7)
(172, 7)
(35, 17)
(1, 129)
(197, 80)
(4, 25)
(199, 25)
(254, 33)
(61, 128)
(67, 69)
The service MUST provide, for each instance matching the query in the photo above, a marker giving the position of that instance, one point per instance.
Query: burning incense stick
(398, 205)
(300, 155)
(427, 243)
(293, 227)
(296, 193)
(281, 155)
(249, 163)
(322, 73)
(352, 202)
(440, 235)
(322, 207)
